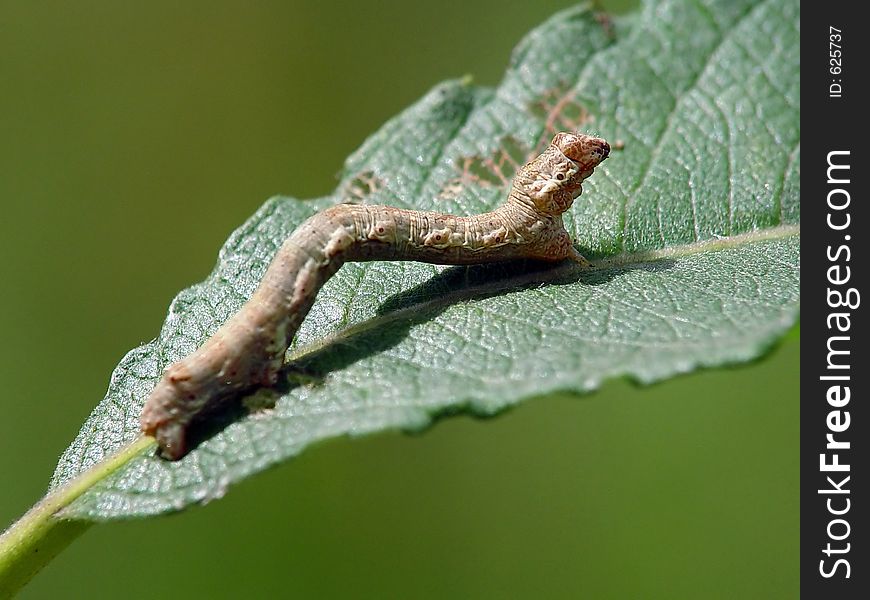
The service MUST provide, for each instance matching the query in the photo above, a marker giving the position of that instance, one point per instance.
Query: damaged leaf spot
(606, 21)
(363, 185)
(492, 171)
(560, 111)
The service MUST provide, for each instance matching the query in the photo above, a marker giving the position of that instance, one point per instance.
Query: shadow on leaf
(399, 313)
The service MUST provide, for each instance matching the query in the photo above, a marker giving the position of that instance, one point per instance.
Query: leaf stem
(37, 537)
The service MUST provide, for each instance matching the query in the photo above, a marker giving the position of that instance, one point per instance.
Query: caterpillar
(248, 350)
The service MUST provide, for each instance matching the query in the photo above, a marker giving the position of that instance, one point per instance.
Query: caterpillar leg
(578, 258)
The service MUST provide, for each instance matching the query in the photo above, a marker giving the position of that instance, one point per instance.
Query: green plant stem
(37, 537)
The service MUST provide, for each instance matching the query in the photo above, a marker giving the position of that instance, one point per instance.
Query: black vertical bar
(835, 562)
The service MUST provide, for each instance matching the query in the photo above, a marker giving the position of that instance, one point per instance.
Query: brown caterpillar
(248, 350)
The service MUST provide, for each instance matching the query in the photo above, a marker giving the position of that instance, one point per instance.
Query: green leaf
(694, 224)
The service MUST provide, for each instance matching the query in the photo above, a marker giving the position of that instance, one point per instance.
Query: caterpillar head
(555, 177)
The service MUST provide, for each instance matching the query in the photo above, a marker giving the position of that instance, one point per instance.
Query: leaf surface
(695, 225)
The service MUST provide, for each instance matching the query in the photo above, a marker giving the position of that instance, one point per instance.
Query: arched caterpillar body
(248, 350)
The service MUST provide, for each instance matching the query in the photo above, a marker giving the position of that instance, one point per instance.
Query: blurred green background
(135, 136)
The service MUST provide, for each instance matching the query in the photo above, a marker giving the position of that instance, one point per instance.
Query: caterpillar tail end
(170, 436)
(163, 419)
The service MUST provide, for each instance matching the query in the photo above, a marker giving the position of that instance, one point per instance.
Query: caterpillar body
(248, 350)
